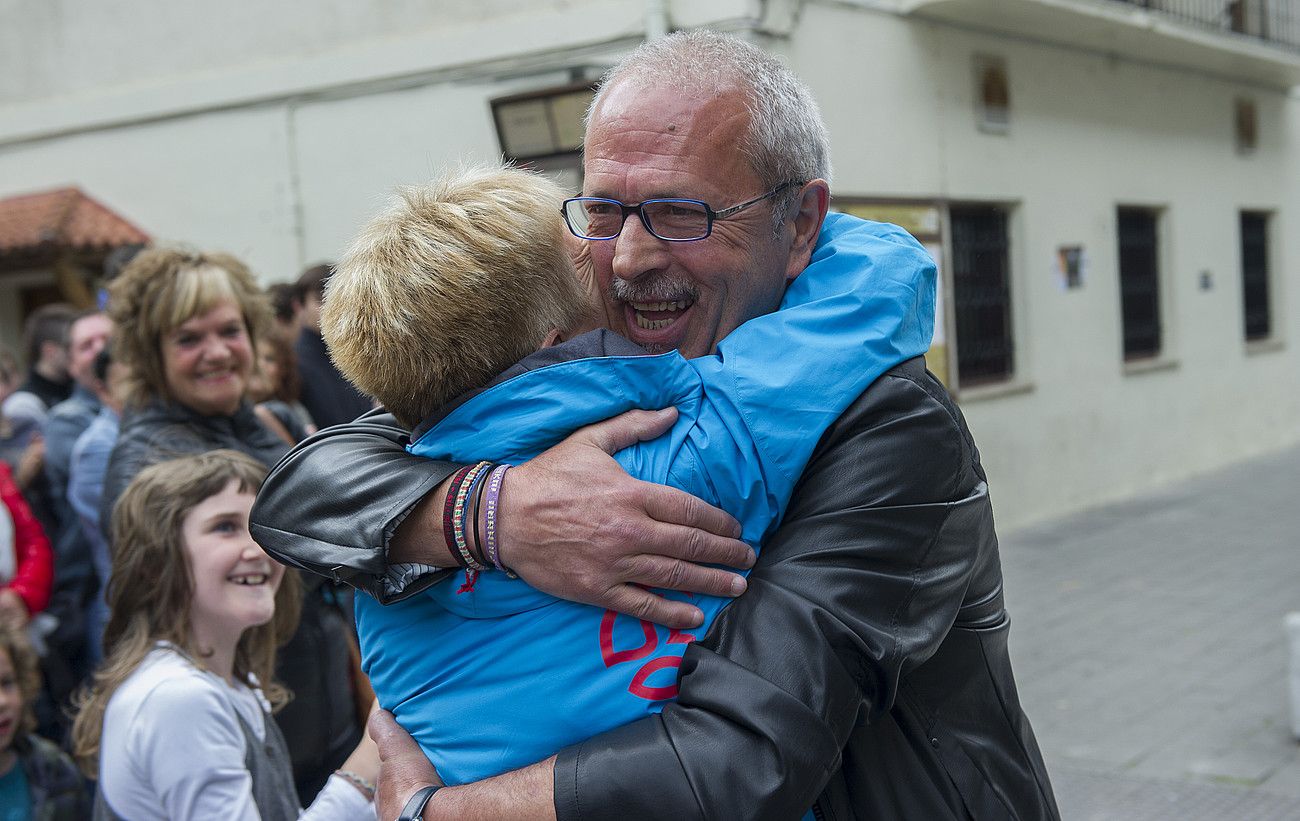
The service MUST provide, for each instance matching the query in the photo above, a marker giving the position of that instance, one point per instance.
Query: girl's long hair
(151, 586)
(27, 673)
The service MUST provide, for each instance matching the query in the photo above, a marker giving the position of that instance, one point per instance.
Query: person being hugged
(176, 724)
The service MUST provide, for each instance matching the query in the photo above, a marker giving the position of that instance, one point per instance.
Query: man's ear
(806, 222)
(552, 339)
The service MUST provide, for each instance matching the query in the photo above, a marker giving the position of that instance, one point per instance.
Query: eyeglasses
(671, 220)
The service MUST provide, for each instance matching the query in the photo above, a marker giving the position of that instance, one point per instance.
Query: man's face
(86, 339)
(646, 143)
(54, 360)
(310, 314)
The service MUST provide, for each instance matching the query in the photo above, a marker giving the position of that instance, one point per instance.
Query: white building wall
(277, 144)
(1088, 132)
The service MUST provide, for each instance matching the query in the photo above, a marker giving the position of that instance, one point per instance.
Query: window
(1254, 275)
(543, 131)
(981, 294)
(1139, 282)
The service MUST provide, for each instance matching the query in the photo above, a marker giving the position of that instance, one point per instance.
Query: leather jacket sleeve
(861, 583)
(332, 504)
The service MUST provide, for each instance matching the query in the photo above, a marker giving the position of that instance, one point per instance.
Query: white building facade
(1112, 189)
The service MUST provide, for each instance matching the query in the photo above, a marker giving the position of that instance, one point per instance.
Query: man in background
(87, 334)
(48, 382)
(327, 396)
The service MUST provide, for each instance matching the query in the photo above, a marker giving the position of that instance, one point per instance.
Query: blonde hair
(164, 287)
(151, 586)
(27, 673)
(452, 284)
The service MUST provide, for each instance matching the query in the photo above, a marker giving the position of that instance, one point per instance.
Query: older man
(864, 674)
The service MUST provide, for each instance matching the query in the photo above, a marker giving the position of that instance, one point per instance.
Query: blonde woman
(188, 328)
(176, 724)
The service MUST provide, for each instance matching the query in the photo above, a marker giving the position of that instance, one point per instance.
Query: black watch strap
(414, 809)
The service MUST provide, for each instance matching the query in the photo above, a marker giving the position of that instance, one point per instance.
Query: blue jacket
(504, 675)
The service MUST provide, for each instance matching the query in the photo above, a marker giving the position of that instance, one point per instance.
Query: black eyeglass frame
(627, 210)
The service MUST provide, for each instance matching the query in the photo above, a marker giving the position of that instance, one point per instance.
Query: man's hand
(521, 795)
(575, 525)
(403, 769)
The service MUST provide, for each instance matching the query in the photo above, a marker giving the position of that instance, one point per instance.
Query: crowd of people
(595, 410)
(130, 417)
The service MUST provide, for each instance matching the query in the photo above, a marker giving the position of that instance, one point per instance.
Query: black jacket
(320, 723)
(865, 672)
(327, 396)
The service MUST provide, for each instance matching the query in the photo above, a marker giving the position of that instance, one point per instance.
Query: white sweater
(173, 749)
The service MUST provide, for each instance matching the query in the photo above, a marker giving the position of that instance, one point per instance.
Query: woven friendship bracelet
(492, 504)
(448, 508)
(458, 517)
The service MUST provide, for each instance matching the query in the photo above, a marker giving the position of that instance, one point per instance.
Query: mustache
(654, 289)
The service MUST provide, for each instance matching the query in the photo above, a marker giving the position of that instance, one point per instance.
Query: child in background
(460, 310)
(26, 561)
(37, 780)
(21, 445)
(274, 387)
(177, 724)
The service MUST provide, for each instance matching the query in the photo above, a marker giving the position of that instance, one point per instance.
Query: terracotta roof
(63, 218)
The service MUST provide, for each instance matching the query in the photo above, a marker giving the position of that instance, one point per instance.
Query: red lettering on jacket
(612, 656)
(638, 686)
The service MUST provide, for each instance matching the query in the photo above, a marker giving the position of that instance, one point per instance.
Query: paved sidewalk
(1149, 649)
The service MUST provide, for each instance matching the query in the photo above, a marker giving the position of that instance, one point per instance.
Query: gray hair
(786, 139)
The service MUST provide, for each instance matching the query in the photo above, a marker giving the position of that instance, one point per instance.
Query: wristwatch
(414, 809)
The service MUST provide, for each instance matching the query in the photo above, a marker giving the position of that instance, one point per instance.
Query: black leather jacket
(864, 673)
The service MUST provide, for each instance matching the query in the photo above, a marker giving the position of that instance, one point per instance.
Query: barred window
(981, 294)
(1254, 275)
(1139, 281)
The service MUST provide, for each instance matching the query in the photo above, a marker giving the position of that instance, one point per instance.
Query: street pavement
(1150, 652)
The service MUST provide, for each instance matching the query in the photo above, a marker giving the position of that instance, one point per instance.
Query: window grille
(1139, 282)
(1254, 275)
(981, 294)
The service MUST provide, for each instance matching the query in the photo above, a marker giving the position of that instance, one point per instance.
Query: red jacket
(33, 559)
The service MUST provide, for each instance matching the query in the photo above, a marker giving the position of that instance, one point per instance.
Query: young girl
(37, 780)
(177, 722)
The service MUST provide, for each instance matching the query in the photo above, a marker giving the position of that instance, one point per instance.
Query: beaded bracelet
(367, 787)
(492, 503)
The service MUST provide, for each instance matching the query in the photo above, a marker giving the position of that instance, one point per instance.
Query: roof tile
(62, 218)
